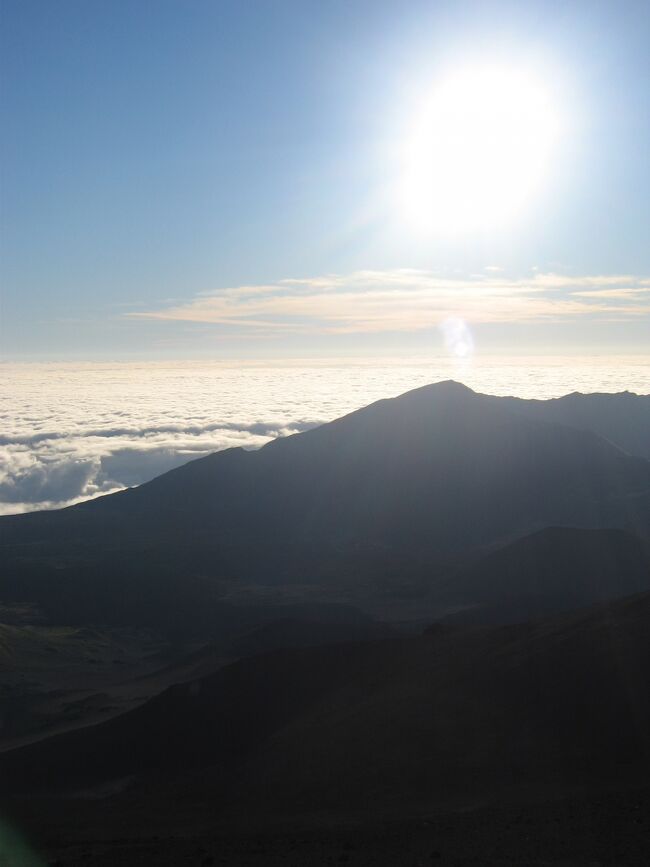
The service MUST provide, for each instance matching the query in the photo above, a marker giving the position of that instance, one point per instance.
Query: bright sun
(477, 150)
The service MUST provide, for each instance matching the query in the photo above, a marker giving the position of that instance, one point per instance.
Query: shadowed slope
(623, 419)
(454, 715)
(555, 569)
(407, 485)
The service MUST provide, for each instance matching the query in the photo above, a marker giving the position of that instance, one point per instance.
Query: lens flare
(458, 337)
(14, 851)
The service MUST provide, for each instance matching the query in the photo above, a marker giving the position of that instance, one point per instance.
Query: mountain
(58, 678)
(549, 571)
(623, 419)
(384, 502)
(253, 579)
(447, 718)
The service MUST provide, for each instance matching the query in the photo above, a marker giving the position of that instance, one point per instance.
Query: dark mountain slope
(555, 569)
(623, 419)
(448, 718)
(400, 489)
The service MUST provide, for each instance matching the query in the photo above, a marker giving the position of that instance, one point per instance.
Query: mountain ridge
(396, 494)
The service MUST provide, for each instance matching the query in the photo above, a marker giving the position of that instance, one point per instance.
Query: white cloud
(47, 470)
(405, 300)
(635, 293)
(71, 431)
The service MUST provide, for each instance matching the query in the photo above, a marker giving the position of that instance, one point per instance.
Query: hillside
(623, 419)
(385, 501)
(552, 570)
(450, 717)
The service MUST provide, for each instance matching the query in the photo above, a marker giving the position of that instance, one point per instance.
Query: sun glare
(477, 150)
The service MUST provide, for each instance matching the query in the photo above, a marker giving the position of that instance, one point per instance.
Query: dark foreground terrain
(417, 635)
(611, 829)
(524, 744)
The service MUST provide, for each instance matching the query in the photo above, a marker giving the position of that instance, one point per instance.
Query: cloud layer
(74, 431)
(404, 300)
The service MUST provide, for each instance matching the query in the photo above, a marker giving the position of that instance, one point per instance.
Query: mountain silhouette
(398, 494)
(623, 418)
(552, 570)
(504, 543)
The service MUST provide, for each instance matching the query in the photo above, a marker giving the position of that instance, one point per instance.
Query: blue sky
(209, 178)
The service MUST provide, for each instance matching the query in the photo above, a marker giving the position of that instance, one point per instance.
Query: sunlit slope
(404, 487)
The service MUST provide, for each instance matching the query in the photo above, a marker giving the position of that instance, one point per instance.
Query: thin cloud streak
(403, 300)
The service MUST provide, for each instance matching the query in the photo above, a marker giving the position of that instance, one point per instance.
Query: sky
(282, 179)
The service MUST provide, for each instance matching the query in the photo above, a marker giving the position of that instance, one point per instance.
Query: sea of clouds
(72, 431)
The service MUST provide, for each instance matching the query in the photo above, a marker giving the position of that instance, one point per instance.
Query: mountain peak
(453, 385)
(445, 387)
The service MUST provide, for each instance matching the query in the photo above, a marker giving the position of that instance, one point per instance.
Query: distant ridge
(555, 569)
(386, 501)
(622, 418)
